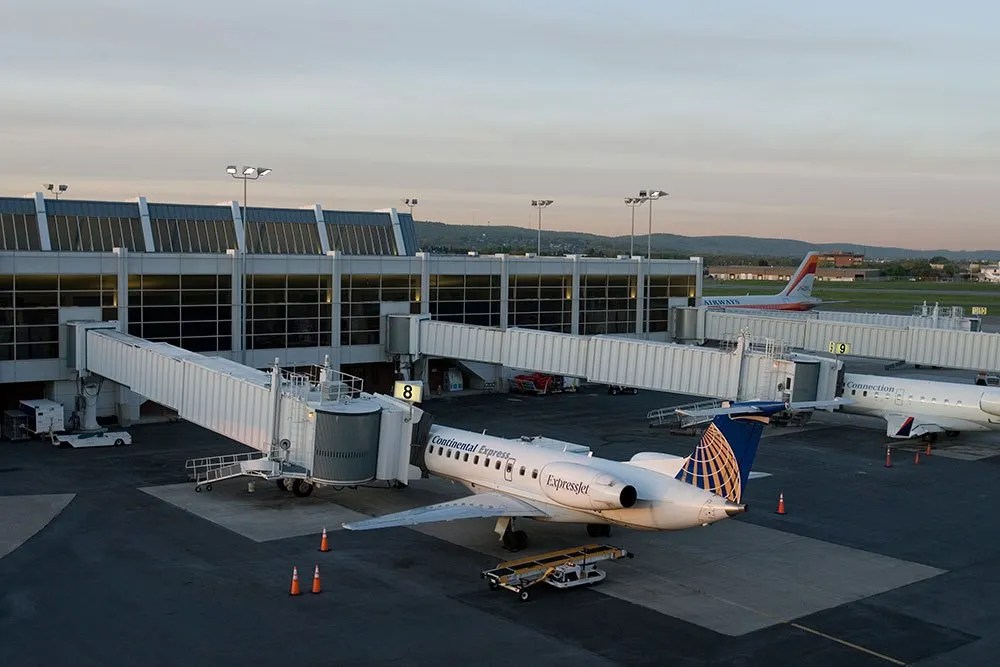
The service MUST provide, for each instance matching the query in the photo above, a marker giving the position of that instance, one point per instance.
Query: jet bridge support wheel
(302, 488)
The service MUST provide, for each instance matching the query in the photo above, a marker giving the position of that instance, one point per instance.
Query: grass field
(881, 297)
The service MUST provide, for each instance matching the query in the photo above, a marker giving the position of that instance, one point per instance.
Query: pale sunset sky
(869, 122)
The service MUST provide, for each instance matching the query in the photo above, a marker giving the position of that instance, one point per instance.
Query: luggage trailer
(567, 568)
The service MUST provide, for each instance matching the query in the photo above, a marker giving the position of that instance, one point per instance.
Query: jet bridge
(308, 429)
(749, 369)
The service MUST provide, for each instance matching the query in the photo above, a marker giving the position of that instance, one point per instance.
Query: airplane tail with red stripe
(801, 284)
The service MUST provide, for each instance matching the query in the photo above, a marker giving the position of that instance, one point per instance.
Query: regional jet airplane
(913, 408)
(511, 479)
(797, 294)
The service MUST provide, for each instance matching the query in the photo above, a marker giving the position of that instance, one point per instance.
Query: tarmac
(109, 557)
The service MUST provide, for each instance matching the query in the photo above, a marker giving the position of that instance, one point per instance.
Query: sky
(867, 122)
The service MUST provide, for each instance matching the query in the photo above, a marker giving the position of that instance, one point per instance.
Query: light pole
(245, 174)
(411, 203)
(632, 202)
(650, 196)
(56, 189)
(540, 204)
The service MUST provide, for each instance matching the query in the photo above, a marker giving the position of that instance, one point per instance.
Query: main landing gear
(599, 529)
(513, 540)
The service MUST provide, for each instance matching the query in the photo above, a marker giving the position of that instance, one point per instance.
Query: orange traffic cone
(916, 457)
(928, 451)
(888, 456)
(323, 545)
(316, 587)
(295, 582)
(781, 504)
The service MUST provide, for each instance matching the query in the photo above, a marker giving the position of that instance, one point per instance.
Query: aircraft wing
(909, 426)
(481, 505)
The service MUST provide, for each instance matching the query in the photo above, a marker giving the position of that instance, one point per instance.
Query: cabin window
(498, 464)
(465, 457)
(510, 466)
(522, 471)
(854, 392)
(448, 454)
(476, 460)
(946, 401)
(487, 462)
(864, 393)
(958, 402)
(922, 399)
(534, 474)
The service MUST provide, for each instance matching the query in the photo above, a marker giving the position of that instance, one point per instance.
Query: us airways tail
(797, 294)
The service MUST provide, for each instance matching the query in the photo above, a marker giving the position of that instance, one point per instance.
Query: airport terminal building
(298, 285)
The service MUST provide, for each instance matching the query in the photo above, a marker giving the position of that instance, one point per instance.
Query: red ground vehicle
(537, 383)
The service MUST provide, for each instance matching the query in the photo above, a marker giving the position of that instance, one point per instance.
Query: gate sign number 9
(408, 391)
(839, 348)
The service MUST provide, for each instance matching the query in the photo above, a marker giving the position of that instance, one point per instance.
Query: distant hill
(441, 237)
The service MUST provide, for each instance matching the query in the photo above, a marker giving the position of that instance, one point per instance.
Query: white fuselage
(953, 406)
(568, 484)
(762, 302)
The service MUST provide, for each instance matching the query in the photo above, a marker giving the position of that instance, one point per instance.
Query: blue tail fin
(722, 460)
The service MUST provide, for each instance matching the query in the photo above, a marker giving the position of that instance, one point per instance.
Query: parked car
(615, 389)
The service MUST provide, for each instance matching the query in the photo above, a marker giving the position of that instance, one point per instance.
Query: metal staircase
(673, 416)
(217, 468)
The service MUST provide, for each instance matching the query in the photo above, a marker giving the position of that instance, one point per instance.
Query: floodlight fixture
(56, 189)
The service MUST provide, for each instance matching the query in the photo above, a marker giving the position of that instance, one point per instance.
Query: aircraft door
(899, 397)
(508, 470)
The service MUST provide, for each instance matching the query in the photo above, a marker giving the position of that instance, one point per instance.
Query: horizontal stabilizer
(479, 506)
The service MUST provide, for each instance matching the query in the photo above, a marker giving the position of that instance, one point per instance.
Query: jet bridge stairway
(204, 471)
(673, 416)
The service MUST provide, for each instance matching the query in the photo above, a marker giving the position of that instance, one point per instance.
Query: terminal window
(205, 236)
(190, 311)
(282, 238)
(466, 299)
(362, 239)
(95, 233)
(19, 231)
(607, 304)
(29, 310)
(287, 311)
(541, 302)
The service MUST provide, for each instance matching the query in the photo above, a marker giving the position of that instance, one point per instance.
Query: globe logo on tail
(713, 466)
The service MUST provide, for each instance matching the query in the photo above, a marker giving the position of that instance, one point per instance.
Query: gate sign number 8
(408, 391)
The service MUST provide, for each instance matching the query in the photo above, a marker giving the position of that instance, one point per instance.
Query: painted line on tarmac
(850, 644)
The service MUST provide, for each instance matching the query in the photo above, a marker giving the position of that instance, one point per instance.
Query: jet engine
(583, 487)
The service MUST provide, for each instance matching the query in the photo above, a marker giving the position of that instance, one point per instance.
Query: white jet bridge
(745, 370)
(309, 430)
